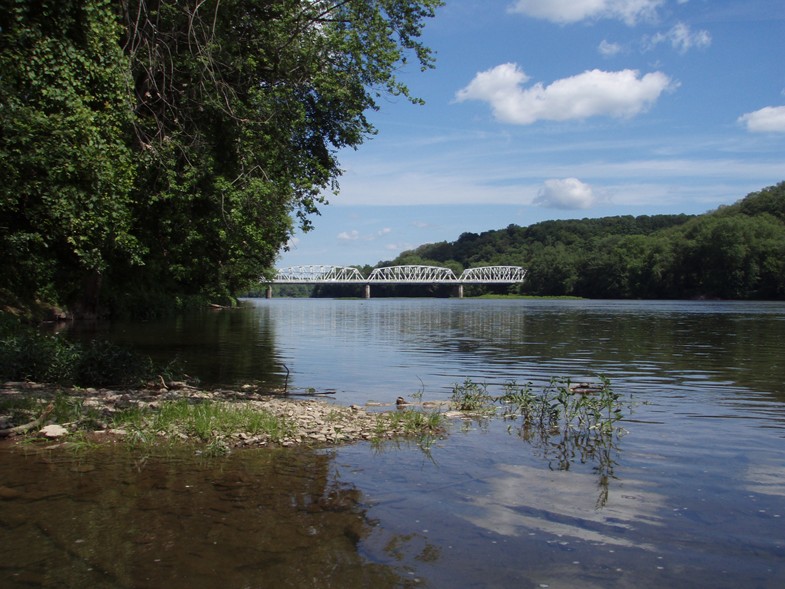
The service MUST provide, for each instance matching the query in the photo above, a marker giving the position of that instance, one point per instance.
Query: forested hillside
(735, 252)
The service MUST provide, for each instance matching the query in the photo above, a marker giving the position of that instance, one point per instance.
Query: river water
(693, 495)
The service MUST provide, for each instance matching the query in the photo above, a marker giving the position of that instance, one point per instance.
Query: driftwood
(26, 427)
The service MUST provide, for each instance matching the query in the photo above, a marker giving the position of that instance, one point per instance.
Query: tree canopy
(735, 252)
(156, 150)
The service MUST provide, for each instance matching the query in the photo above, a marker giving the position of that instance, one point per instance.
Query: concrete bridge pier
(459, 291)
(367, 291)
(268, 293)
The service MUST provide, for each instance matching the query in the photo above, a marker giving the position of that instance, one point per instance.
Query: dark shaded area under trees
(157, 153)
(735, 252)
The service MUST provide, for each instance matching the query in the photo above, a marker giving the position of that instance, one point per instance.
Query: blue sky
(563, 109)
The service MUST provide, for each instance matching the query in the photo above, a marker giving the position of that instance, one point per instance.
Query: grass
(209, 422)
(421, 426)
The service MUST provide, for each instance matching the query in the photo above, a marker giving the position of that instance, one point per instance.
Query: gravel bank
(311, 421)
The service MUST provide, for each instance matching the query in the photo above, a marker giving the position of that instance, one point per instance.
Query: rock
(9, 493)
(53, 431)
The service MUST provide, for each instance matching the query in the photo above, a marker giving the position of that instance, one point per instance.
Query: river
(693, 495)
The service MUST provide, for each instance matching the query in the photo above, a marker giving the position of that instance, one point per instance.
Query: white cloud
(572, 11)
(609, 49)
(383, 231)
(569, 193)
(681, 38)
(352, 235)
(770, 119)
(593, 93)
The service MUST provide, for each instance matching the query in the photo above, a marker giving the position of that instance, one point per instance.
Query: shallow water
(692, 496)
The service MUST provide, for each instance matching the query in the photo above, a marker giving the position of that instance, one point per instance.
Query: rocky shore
(308, 420)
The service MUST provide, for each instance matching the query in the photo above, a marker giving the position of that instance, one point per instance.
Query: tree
(242, 107)
(67, 173)
(199, 131)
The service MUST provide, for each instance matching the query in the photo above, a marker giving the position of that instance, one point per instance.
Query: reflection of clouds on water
(526, 499)
(766, 479)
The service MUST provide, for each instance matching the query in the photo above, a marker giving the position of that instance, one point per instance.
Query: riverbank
(216, 419)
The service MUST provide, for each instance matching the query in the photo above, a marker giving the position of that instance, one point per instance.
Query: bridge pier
(367, 291)
(459, 291)
(268, 293)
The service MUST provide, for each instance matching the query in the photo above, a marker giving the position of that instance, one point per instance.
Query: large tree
(200, 132)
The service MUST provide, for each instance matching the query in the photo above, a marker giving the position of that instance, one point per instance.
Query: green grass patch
(204, 421)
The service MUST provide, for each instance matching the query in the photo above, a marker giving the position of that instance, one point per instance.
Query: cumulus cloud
(352, 235)
(572, 11)
(609, 49)
(681, 38)
(569, 193)
(770, 119)
(621, 94)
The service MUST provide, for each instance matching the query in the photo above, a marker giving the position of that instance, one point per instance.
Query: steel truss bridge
(398, 275)
(409, 274)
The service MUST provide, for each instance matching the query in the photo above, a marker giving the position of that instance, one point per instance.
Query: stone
(53, 431)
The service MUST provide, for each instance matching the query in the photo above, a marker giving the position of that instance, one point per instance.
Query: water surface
(692, 496)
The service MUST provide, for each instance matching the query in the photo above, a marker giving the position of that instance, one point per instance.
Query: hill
(735, 252)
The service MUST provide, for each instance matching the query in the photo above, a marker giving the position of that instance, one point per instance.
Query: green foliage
(736, 252)
(472, 396)
(564, 406)
(65, 183)
(163, 150)
(27, 354)
(208, 422)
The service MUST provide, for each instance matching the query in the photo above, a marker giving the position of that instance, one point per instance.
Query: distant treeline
(735, 252)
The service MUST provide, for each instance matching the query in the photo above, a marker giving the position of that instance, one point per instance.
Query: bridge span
(406, 274)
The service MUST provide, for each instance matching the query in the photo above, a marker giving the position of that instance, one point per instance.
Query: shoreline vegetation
(213, 420)
(580, 417)
(56, 393)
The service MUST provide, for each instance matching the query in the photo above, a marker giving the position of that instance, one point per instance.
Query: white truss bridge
(410, 274)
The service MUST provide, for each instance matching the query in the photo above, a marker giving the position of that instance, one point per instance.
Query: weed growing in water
(473, 397)
(566, 422)
(425, 427)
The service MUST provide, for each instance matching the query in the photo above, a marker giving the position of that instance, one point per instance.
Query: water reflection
(380, 349)
(522, 499)
(258, 519)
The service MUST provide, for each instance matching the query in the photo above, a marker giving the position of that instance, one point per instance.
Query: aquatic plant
(566, 422)
(564, 405)
(473, 397)
(420, 425)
